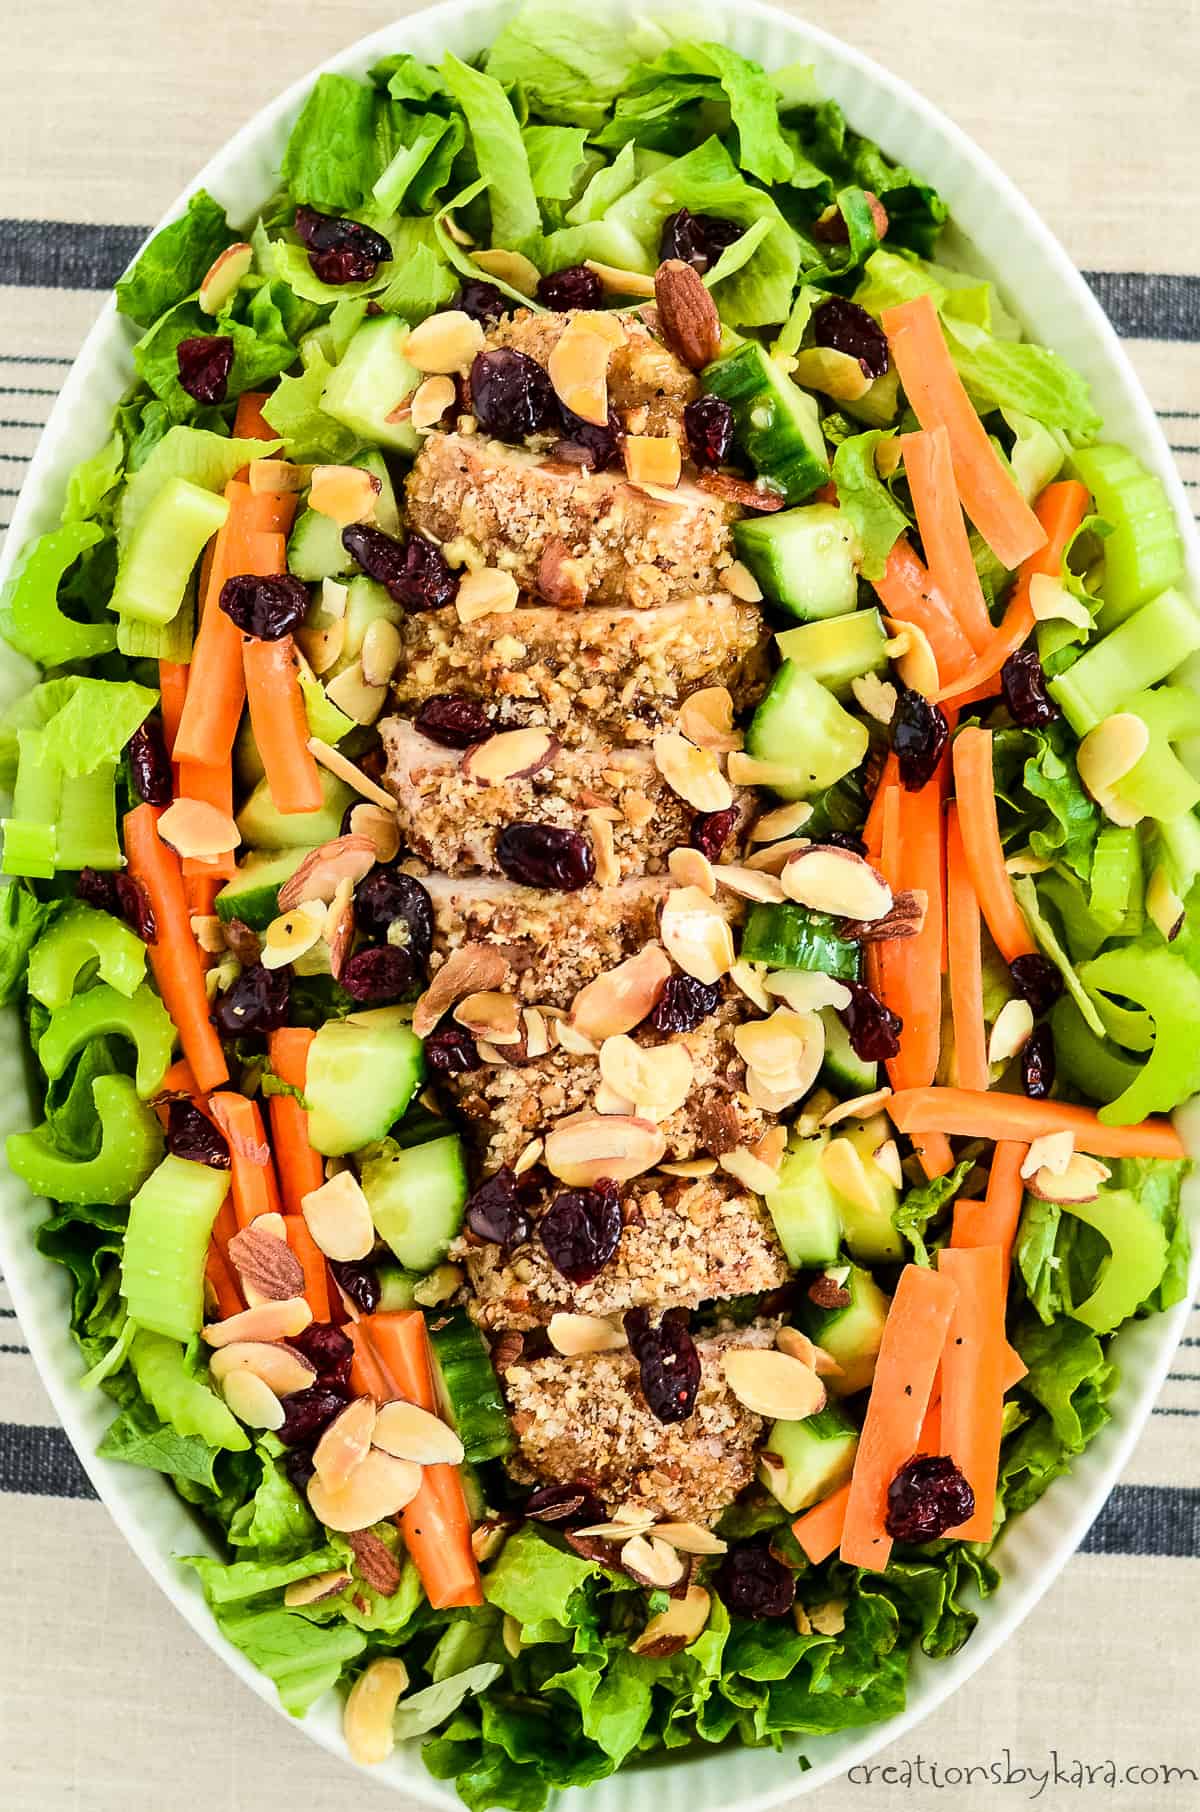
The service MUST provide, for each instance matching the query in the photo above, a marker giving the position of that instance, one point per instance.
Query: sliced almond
(620, 282)
(486, 592)
(380, 652)
(878, 697)
(1052, 1152)
(280, 477)
(606, 1100)
(578, 370)
(785, 1051)
(706, 719)
(652, 459)
(431, 400)
(438, 1286)
(369, 1718)
(656, 1079)
(604, 847)
(195, 828)
(676, 1628)
(378, 828)
(315, 1588)
(887, 1156)
(740, 582)
(292, 934)
(470, 969)
(785, 821)
(773, 1384)
(535, 1032)
(491, 1015)
(347, 858)
(697, 935)
(598, 320)
(652, 1562)
(1164, 907)
(913, 657)
(1011, 1032)
(585, 1147)
(411, 1433)
(621, 998)
(749, 883)
(323, 648)
(626, 1522)
(749, 979)
(836, 881)
(269, 1321)
(253, 1401)
(379, 1487)
(807, 990)
(749, 1170)
(339, 1218)
(690, 1538)
(1024, 862)
(572, 1335)
(835, 374)
(860, 1108)
(351, 693)
(268, 1270)
(775, 858)
(828, 1619)
(345, 494)
(1106, 755)
(528, 1157)
(576, 1043)
(1079, 1182)
(337, 763)
(844, 1170)
(512, 268)
(691, 868)
(223, 276)
(487, 1539)
(693, 1169)
(345, 1443)
(748, 770)
(796, 1345)
(282, 1367)
(444, 343)
(209, 932)
(1050, 601)
(687, 314)
(509, 754)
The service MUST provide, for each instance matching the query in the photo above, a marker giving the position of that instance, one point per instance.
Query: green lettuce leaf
(422, 281)
(276, 1523)
(878, 519)
(139, 1438)
(92, 483)
(87, 1240)
(423, 1711)
(233, 1582)
(1070, 1376)
(175, 262)
(569, 70)
(1045, 936)
(556, 156)
(331, 160)
(294, 410)
(95, 722)
(23, 918)
(1005, 374)
(204, 458)
(303, 1658)
(499, 152)
(915, 211)
(534, 1581)
(919, 1206)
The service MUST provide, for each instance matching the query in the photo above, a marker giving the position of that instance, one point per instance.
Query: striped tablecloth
(107, 1701)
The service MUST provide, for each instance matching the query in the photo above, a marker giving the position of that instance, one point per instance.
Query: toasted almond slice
(807, 990)
(624, 1524)
(1163, 905)
(316, 1587)
(323, 648)
(282, 1367)
(604, 847)
(749, 979)
(652, 459)
(253, 1401)
(843, 1167)
(656, 1079)
(379, 1487)
(491, 1015)
(877, 696)
(487, 1539)
(339, 1218)
(670, 1631)
(431, 400)
(606, 1100)
(887, 1156)
(291, 934)
(913, 657)
(749, 883)
(1050, 601)
(369, 1718)
(785, 821)
(1052, 1152)
(1079, 1182)
(512, 268)
(796, 1345)
(585, 1147)
(345, 1443)
(697, 934)
(576, 1043)
(836, 881)
(195, 828)
(471, 969)
(619, 282)
(209, 932)
(345, 494)
(528, 1157)
(269, 1321)
(378, 828)
(223, 276)
(1011, 1032)
(280, 477)
(860, 1108)
(706, 719)
(652, 1562)
(618, 1000)
(690, 867)
(337, 763)
(1106, 755)
(750, 1170)
(836, 374)
(444, 343)
(740, 583)
(488, 591)
(773, 1384)
(692, 1169)
(817, 1106)
(572, 1335)
(318, 876)
(786, 1050)
(438, 1286)
(535, 1032)
(578, 369)
(351, 693)
(690, 1538)
(1024, 862)
(509, 754)
(412, 1433)
(380, 652)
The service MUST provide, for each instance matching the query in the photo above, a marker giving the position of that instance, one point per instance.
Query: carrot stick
(993, 1222)
(249, 423)
(966, 964)
(216, 688)
(965, 1114)
(174, 955)
(201, 890)
(312, 1261)
(819, 1530)
(280, 724)
(301, 1169)
(219, 1274)
(914, 1336)
(908, 593)
(930, 1437)
(255, 1190)
(179, 1080)
(1060, 509)
(172, 690)
(367, 1376)
(935, 391)
(972, 1378)
(930, 472)
(975, 787)
(873, 828)
(912, 969)
(934, 1151)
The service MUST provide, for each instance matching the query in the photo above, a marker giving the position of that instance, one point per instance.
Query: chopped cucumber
(314, 549)
(804, 559)
(253, 893)
(166, 1243)
(366, 603)
(387, 510)
(360, 1079)
(1144, 554)
(416, 1196)
(839, 649)
(79, 937)
(178, 1397)
(802, 1462)
(842, 1070)
(866, 1196)
(470, 1388)
(98, 1013)
(166, 544)
(788, 936)
(879, 404)
(852, 1335)
(396, 1288)
(778, 424)
(1142, 650)
(131, 1144)
(371, 379)
(263, 827)
(803, 1207)
(800, 727)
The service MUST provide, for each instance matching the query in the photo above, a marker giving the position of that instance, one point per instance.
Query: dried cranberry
(453, 722)
(97, 888)
(575, 286)
(1023, 682)
(511, 395)
(708, 423)
(567, 1506)
(873, 1029)
(667, 1361)
(134, 906)
(496, 1213)
(684, 1004)
(331, 1351)
(711, 831)
(204, 364)
(451, 1051)
(308, 1413)
(845, 327)
(840, 839)
(378, 973)
(482, 301)
(699, 239)
(753, 1583)
(588, 443)
(388, 895)
(546, 856)
(1036, 980)
(360, 1283)
(191, 1134)
(919, 735)
(256, 1002)
(416, 574)
(298, 1464)
(266, 608)
(581, 1229)
(149, 763)
(1038, 1063)
(340, 251)
(927, 1496)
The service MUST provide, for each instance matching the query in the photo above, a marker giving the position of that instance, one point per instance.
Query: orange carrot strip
(1060, 509)
(179, 1080)
(301, 1169)
(966, 964)
(175, 955)
(913, 965)
(274, 511)
(216, 687)
(908, 593)
(249, 423)
(280, 724)
(225, 1227)
(930, 472)
(934, 389)
(255, 1190)
(972, 1378)
(437, 1525)
(201, 890)
(933, 1149)
(219, 1274)
(172, 690)
(965, 1114)
(873, 828)
(367, 1376)
(312, 1262)
(975, 787)
(930, 1438)
(993, 1222)
(914, 1336)
(819, 1530)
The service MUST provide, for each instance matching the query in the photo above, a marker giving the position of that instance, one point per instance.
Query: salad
(600, 886)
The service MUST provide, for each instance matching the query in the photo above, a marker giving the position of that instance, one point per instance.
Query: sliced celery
(1159, 786)
(1144, 554)
(30, 835)
(1142, 650)
(179, 1398)
(131, 1144)
(101, 1012)
(28, 849)
(1162, 984)
(1116, 881)
(1093, 1064)
(80, 935)
(171, 641)
(1181, 845)
(87, 820)
(162, 1267)
(30, 617)
(1136, 1261)
(155, 567)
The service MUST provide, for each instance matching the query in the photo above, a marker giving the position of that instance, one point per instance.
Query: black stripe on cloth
(41, 1462)
(1144, 306)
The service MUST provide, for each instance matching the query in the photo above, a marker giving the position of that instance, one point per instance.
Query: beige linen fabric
(108, 1702)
